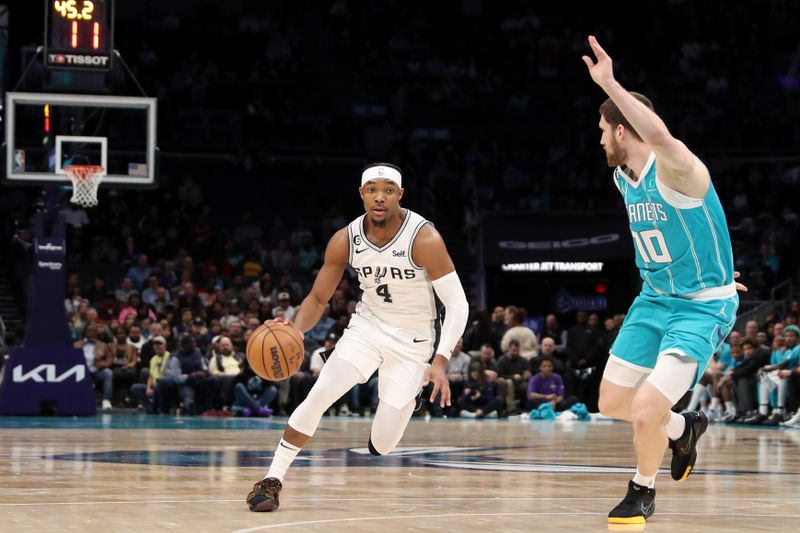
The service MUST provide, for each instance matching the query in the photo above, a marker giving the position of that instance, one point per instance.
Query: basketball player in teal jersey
(688, 301)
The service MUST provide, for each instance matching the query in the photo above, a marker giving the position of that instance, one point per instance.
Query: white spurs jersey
(396, 290)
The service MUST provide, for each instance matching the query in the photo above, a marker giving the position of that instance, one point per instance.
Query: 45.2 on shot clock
(79, 34)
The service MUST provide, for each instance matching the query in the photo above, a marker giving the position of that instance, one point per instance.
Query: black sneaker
(755, 420)
(264, 496)
(684, 450)
(774, 419)
(638, 505)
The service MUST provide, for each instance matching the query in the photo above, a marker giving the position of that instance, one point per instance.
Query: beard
(615, 155)
(378, 223)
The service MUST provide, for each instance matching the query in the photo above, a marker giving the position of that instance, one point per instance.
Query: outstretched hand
(602, 72)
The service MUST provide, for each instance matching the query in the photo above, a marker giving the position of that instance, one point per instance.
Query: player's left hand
(436, 374)
(741, 287)
(601, 72)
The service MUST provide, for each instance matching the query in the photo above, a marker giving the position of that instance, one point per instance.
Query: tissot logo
(76, 59)
(579, 242)
(47, 374)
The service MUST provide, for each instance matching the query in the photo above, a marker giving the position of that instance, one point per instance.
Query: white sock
(778, 410)
(763, 409)
(645, 481)
(675, 426)
(284, 455)
(715, 404)
(730, 407)
(697, 394)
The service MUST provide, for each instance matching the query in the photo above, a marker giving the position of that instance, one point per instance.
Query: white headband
(382, 173)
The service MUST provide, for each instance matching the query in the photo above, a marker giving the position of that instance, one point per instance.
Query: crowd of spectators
(185, 274)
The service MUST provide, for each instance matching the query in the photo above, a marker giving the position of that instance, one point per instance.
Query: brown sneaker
(264, 496)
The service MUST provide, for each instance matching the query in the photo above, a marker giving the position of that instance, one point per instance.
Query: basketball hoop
(85, 182)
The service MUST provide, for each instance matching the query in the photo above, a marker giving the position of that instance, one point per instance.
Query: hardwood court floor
(118, 473)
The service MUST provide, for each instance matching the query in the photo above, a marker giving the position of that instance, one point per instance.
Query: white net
(85, 182)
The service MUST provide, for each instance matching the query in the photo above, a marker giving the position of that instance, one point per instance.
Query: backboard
(46, 132)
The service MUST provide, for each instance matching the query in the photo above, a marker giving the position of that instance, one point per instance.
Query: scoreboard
(79, 34)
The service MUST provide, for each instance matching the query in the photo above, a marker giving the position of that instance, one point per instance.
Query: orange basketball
(275, 351)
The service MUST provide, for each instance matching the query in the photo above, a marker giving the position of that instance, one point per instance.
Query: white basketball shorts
(399, 355)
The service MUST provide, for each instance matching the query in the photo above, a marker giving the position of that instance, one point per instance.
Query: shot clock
(79, 34)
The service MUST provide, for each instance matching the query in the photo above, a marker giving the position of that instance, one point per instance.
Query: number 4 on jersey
(383, 290)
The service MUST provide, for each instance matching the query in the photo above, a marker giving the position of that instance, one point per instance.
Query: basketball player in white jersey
(400, 260)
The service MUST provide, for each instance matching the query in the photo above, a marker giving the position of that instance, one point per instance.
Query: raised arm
(684, 172)
(336, 255)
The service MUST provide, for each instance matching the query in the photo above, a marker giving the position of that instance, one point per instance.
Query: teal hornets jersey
(793, 356)
(682, 244)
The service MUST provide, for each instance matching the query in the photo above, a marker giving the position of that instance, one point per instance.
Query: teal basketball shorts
(666, 324)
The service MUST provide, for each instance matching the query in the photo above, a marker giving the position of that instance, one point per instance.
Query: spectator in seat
(553, 330)
(775, 378)
(124, 361)
(150, 293)
(284, 303)
(188, 298)
(135, 338)
(98, 291)
(745, 377)
(127, 288)
(487, 359)
(547, 386)
(582, 339)
(98, 359)
(146, 395)
(200, 334)
(236, 291)
(236, 335)
(724, 389)
(547, 348)
(751, 329)
(515, 370)
(479, 399)
(187, 373)
(253, 395)
(225, 366)
(525, 337)
(147, 350)
(458, 369)
(498, 327)
(139, 273)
